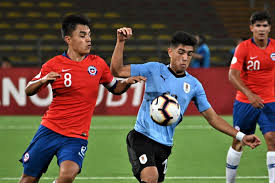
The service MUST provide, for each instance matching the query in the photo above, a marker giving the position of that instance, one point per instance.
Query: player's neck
(176, 74)
(75, 56)
(261, 43)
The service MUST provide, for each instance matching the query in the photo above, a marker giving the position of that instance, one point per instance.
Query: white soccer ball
(165, 110)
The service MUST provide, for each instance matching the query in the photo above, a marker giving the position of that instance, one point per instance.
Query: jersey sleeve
(43, 72)
(200, 99)
(239, 57)
(107, 79)
(142, 69)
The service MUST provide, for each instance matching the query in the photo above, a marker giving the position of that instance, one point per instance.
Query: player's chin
(183, 67)
(86, 51)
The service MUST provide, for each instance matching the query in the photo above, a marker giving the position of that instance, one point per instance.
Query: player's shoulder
(272, 41)
(95, 58)
(192, 78)
(53, 61)
(246, 43)
(158, 64)
(153, 65)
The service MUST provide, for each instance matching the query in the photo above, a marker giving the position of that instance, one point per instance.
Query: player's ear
(169, 52)
(251, 27)
(67, 39)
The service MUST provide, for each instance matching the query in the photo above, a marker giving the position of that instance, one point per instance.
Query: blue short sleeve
(142, 69)
(200, 99)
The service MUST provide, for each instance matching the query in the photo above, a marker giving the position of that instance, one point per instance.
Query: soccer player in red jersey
(252, 72)
(75, 77)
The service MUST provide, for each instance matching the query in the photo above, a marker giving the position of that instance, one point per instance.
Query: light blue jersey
(161, 79)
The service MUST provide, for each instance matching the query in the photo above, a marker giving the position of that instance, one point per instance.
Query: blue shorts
(245, 117)
(47, 143)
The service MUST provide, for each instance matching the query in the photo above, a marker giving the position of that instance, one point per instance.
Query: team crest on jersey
(272, 56)
(26, 157)
(92, 70)
(186, 87)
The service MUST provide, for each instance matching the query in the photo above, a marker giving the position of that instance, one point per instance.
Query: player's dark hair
(260, 16)
(70, 22)
(184, 38)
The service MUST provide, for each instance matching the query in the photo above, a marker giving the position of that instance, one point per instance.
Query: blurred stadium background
(30, 35)
(30, 29)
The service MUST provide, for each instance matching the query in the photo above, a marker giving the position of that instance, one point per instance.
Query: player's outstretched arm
(34, 86)
(123, 85)
(117, 67)
(220, 124)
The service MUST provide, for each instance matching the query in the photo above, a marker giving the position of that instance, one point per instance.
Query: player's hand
(251, 140)
(135, 79)
(124, 33)
(50, 77)
(256, 101)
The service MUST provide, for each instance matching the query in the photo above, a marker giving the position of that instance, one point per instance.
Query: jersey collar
(66, 55)
(176, 75)
(253, 41)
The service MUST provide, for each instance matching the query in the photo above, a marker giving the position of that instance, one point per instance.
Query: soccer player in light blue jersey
(149, 144)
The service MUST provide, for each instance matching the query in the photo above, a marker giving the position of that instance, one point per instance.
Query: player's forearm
(33, 87)
(121, 87)
(219, 123)
(234, 78)
(117, 59)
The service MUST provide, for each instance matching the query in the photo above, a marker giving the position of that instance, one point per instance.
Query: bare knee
(65, 179)
(28, 179)
(149, 174)
(270, 140)
(150, 179)
(68, 171)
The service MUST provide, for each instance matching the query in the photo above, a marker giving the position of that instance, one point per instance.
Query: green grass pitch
(198, 154)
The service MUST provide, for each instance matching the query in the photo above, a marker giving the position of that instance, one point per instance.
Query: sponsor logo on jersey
(143, 159)
(65, 70)
(162, 77)
(186, 87)
(251, 58)
(92, 70)
(272, 56)
(26, 157)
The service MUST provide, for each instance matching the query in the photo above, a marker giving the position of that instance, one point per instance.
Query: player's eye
(190, 53)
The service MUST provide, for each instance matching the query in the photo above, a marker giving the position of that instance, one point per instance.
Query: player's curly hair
(260, 16)
(69, 24)
(184, 38)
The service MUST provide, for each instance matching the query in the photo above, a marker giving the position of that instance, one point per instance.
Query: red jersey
(257, 68)
(74, 94)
